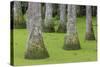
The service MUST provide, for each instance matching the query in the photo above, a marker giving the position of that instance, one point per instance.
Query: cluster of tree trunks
(35, 48)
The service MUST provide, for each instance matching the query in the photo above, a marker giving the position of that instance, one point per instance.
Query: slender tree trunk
(62, 25)
(18, 16)
(43, 14)
(89, 27)
(78, 11)
(35, 46)
(71, 39)
(48, 23)
(94, 10)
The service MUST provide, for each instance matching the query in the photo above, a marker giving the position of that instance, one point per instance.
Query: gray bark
(18, 17)
(48, 23)
(71, 39)
(35, 46)
(62, 24)
(89, 26)
(78, 11)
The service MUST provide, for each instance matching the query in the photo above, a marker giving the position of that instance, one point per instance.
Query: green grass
(54, 43)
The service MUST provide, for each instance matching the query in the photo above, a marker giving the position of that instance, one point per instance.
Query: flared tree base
(71, 42)
(36, 48)
(61, 28)
(36, 53)
(90, 36)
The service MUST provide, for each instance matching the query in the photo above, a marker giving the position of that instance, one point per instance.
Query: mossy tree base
(35, 46)
(61, 28)
(89, 36)
(71, 42)
(36, 51)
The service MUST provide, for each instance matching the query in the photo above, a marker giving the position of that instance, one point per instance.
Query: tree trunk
(48, 23)
(62, 24)
(89, 28)
(78, 11)
(71, 39)
(18, 16)
(94, 10)
(35, 45)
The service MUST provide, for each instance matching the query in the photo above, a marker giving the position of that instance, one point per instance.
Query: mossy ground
(54, 43)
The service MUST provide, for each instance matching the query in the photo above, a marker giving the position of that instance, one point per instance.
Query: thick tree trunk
(18, 16)
(89, 27)
(35, 46)
(71, 39)
(62, 24)
(48, 23)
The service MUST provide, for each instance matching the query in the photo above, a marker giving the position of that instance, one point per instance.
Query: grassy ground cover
(54, 43)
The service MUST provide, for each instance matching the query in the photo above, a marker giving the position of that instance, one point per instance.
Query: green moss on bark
(71, 42)
(90, 36)
(36, 51)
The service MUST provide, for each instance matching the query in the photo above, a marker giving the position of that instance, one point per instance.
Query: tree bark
(35, 46)
(71, 41)
(18, 16)
(48, 23)
(89, 27)
(62, 24)
(78, 11)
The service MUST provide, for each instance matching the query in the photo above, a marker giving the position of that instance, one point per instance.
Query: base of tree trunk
(61, 28)
(90, 36)
(36, 50)
(71, 42)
